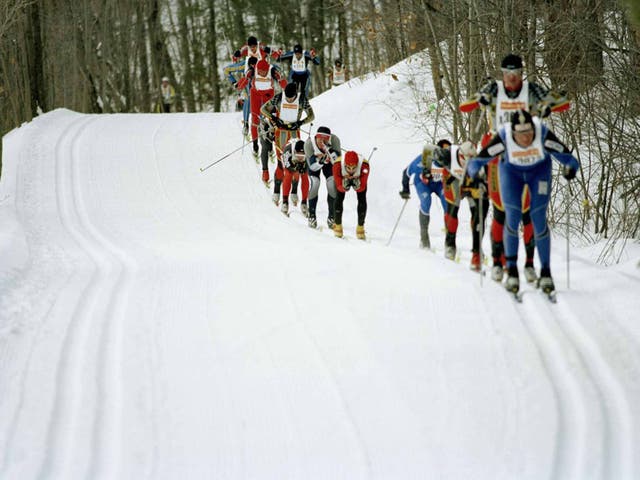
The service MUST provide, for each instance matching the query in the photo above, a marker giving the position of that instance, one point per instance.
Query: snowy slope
(160, 322)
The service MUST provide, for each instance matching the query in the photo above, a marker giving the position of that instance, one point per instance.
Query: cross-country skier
(526, 147)
(427, 180)
(295, 170)
(262, 80)
(300, 73)
(500, 99)
(321, 151)
(458, 185)
(351, 170)
(285, 111)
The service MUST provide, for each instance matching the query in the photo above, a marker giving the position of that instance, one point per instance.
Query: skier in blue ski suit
(526, 147)
(426, 182)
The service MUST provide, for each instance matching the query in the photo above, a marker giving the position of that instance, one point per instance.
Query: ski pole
(567, 215)
(371, 154)
(481, 228)
(244, 144)
(397, 221)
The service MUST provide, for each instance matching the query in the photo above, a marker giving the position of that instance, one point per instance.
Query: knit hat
(511, 62)
(351, 158)
(297, 48)
(290, 90)
(444, 143)
(299, 146)
(262, 66)
(324, 130)
(251, 41)
(521, 120)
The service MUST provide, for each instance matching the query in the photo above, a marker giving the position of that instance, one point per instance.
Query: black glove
(545, 111)
(484, 99)
(296, 125)
(267, 49)
(404, 195)
(426, 176)
(568, 172)
(277, 122)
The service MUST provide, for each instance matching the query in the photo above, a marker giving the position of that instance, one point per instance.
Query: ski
(267, 183)
(517, 296)
(551, 296)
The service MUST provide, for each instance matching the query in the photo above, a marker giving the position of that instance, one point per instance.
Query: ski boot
(275, 198)
(313, 222)
(497, 273)
(294, 199)
(530, 273)
(255, 149)
(475, 262)
(545, 282)
(337, 230)
(360, 232)
(331, 222)
(304, 209)
(450, 252)
(245, 129)
(513, 280)
(285, 208)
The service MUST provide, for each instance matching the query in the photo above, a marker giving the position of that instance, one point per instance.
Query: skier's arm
(485, 96)
(314, 162)
(562, 154)
(364, 176)
(338, 179)
(495, 147)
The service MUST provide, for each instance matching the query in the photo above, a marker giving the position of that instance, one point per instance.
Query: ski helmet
(262, 66)
(297, 48)
(252, 41)
(351, 158)
(511, 62)
(290, 90)
(521, 121)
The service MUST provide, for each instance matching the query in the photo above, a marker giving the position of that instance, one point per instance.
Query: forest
(108, 56)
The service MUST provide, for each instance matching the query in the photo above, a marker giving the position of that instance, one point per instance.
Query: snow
(157, 321)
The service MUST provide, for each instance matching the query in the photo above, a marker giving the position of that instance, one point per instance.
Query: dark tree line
(102, 56)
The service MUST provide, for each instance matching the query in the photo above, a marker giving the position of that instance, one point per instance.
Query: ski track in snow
(97, 321)
(594, 437)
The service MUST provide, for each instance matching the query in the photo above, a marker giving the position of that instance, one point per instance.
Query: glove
(312, 52)
(276, 54)
(267, 49)
(545, 111)
(426, 176)
(283, 83)
(277, 122)
(296, 125)
(472, 169)
(404, 195)
(568, 172)
(356, 183)
(484, 99)
(240, 84)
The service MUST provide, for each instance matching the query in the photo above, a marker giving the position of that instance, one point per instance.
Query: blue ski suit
(424, 190)
(531, 166)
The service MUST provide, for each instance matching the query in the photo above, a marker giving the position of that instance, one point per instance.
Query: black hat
(252, 61)
(299, 146)
(338, 62)
(325, 130)
(252, 41)
(290, 90)
(521, 120)
(297, 48)
(237, 54)
(443, 143)
(511, 62)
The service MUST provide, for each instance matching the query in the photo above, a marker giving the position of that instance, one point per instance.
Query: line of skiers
(274, 121)
(512, 170)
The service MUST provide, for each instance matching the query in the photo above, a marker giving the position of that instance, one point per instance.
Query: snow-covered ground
(159, 322)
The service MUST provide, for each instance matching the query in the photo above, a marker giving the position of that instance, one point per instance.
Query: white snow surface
(161, 322)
